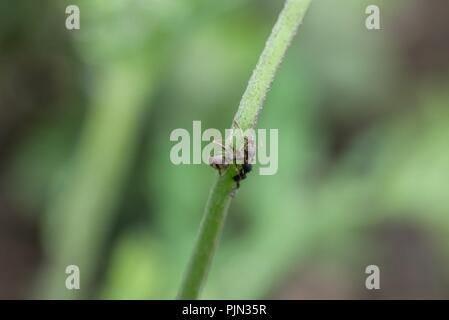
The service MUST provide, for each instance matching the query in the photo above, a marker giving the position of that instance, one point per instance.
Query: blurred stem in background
(86, 203)
(81, 214)
(251, 104)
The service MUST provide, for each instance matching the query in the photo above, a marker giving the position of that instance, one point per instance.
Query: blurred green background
(85, 176)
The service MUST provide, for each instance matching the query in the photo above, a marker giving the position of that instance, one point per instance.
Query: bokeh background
(85, 176)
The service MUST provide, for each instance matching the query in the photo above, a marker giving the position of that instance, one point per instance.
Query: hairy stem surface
(247, 114)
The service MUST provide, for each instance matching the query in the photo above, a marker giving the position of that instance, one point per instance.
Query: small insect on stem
(240, 157)
(219, 162)
(243, 170)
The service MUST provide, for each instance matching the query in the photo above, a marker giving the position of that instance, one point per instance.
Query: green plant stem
(247, 114)
(281, 36)
(211, 225)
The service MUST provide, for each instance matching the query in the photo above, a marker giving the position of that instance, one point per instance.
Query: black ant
(243, 170)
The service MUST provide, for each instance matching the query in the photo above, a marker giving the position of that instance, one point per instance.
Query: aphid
(241, 156)
(221, 161)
